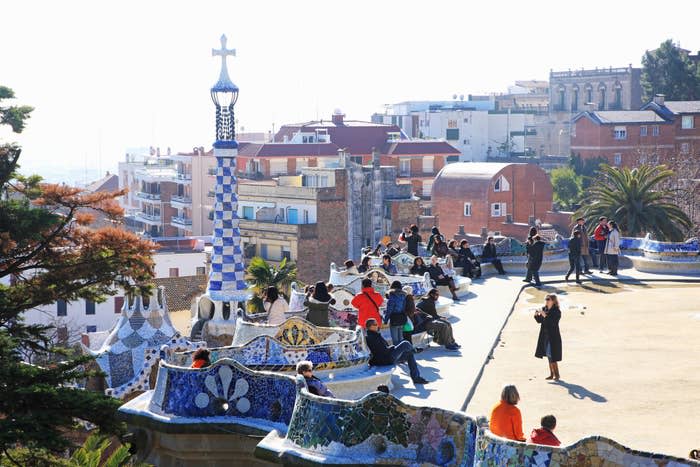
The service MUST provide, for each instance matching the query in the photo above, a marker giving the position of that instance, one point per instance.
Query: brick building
(498, 198)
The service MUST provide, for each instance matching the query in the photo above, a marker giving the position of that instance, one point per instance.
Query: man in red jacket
(545, 434)
(600, 235)
(367, 302)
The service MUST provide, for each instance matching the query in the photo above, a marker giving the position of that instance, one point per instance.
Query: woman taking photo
(549, 340)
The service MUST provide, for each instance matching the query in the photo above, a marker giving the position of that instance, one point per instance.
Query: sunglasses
(547, 299)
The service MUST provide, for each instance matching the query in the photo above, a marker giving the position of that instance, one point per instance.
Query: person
(434, 232)
(388, 266)
(440, 248)
(574, 256)
(549, 339)
(489, 255)
(350, 268)
(419, 268)
(531, 234)
(314, 385)
(201, 358)
(410, 310)
(412, 238)
(384, 354)
(585, 250)
(535, 255)
(383, 388)
(467, 261)
(367, 303)
(452, 249)
(545, 434)
(506, 420)
(612, 248)
(427, 319)
(600, 235)
(448, 267)
(364, 265)
(275, 306)
(440, 278)
(378, 249)
(395, 313)
(318, 304)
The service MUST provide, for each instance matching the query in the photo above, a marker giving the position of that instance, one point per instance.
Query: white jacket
(612, 246)
(275, 311)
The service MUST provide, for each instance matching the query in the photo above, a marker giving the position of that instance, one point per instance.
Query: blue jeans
(602, 260)
(396, 334)
(404, 350)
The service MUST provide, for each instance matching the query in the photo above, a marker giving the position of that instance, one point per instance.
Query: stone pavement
(477, 322)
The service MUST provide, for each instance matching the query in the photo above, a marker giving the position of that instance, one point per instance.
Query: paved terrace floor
(477, 323)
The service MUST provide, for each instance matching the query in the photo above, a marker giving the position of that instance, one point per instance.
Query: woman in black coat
(535, 255)
(549, 340)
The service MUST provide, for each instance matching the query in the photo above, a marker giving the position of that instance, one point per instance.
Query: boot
(555, 367)
(551, 371)
(566, 278)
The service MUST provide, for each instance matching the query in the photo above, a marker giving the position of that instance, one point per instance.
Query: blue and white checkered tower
(227, 273)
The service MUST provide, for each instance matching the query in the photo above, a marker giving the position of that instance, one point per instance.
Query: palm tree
(633, 199)
(262, 274)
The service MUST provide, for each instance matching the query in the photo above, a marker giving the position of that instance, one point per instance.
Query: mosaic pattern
(352, 283)
(294, 331)
(226, 388)
(128, 354)
(381, 429)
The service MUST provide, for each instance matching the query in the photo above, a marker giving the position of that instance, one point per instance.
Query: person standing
(612, 248)
(395, 313)
(549, 339)
(600, 235)
(506, 420)
(574, 256)
(367, 303)
(585, 251)
(384, 354)
(412, 238)
(489, 255)
(535, 255)
(275, 306)
(318, 304)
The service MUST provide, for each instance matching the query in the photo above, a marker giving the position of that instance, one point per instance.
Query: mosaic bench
(377, 429)
(294, 331)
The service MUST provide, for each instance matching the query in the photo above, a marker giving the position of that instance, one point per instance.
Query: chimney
(158, 151)
(375, 158)
(531, 221)
(460, 230)
(484, 234)
(509, 218)
(338, 117)
(659, 99)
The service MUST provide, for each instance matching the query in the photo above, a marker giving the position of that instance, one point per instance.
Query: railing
(180, 220)
(148, 196)
(183, 176)
(148, 217)
(582, 73)
(181, 199)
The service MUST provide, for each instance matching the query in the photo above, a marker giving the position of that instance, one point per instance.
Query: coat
(317, 387)
(584, 238)
(574, 247)
(489, 252)
(435, 273)
(427, 306)
(535, 255)
(506, 421)
(367, 309)
(318, 311)
(440, 249)
(612, 246)
(464, 256)
(549, 332)
(419, 270)
(412, 240)
(396, 308)
(276, 311)
(543, 436)
(380, 349)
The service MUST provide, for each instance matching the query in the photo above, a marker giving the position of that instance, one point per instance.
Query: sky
(105, 76)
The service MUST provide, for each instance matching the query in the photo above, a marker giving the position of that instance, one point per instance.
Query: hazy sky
(105, 76)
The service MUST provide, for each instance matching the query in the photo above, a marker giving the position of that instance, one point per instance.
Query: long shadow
(579, 392)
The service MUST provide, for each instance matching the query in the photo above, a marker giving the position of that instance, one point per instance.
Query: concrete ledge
(644, 264)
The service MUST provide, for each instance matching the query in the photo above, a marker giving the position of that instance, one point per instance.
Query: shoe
(578, 281)
(526, 281)
(418, 349)
(420, 380)
(538, 285)
(452, 347)
(588, 272)
(566, 278)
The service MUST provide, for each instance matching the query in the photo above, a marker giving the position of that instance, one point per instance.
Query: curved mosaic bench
(294, 331)
(337, 316)
(592, 450)
(377, 429)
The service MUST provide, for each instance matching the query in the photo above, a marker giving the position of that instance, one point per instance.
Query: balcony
(150, 219)
(181, 222)
(180, 201)
(145, 196)
(182, 177)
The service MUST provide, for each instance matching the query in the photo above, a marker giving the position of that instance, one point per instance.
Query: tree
(50, 251)
(632, 197)
(668, 70)
(566, 186)
(262, 275)
(587, 168)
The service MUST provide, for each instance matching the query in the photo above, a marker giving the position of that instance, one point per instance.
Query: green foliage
(262, 275)
(587, 169)
(567, 186)
(632, 198)
(13, 115)
(668, 70)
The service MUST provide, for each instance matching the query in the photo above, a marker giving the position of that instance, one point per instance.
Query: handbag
(408, 327)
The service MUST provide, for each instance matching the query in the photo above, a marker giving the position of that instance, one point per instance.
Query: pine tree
(668, 70)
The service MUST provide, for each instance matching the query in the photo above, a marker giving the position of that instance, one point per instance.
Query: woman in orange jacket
(506, 420)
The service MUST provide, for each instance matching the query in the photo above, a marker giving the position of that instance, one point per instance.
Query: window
(61, 308)
(452, 134)
(248, 212)
(174, 272)
(293, 216)
(655, 130)
(467, 209)
(405, 167)
(200, 270)
(118, 304)
(643, 130)
(428, 165)
(685, 148)
(574, 100)
(306, 216)
(427, 188)
(601, 101)
(617, 105)
(278, 166)
(286, 254)
(562, 97)
(263, 251)
(617, 159)
(501, 184)
(589, 93)
(620, 132)
(91, 328)
(498, 209)
(89, 307)
(687, 122)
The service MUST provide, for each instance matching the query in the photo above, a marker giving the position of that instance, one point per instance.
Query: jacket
(434, 232)
(489, 252)
(367, 309)
(427, 305)
(601, 232)
(612, 246)
(380, 349)
(584, 238)
(543, 436)
(535, 255)
(549, 332)
(574, 247)
(435, 273)
(412, 240)
(390, 269)
(200, 363)
(465, 255)
(440, 249)
(317, 387)
(276, 311)
(419, 270)
(396, 308)
(318, 311)
(506, 421)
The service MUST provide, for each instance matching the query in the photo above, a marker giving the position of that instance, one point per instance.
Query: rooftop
(683, 107)
(605, 117)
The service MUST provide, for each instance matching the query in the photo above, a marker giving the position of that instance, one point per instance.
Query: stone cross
(223, 53)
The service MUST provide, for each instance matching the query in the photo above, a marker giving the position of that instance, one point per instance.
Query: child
(545, 435)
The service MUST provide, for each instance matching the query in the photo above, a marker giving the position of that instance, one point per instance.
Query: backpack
(396, 304)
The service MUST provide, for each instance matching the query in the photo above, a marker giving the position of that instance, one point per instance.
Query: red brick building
(497, 197)
(633, 137)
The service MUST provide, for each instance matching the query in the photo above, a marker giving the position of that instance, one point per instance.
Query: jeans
(585, 262)
(575, 264)
(601, 252)
(404, 350)
(613, 261)
(396, 334)
(532, 273)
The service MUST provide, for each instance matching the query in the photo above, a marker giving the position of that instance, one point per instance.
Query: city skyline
(106, 78)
